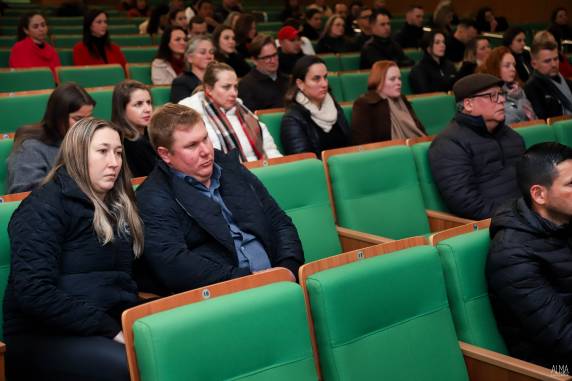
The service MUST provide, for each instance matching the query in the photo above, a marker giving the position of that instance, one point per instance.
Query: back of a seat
(26, 79)
(256, 334)
(272, 121)
(6, 211)
(563, 132)
(4, 57)
(139, 54)
(348, 112)
(431, 196)
(5, 149)
(435, 111)
(140, 72)
(405, 84)
(66, 40)
(19, 110)
(132, 40)
(66, 56)
(378, 192)
(463, 259)
(353, 85)
(335, 84)
(539, 133)
(92, 76)
(301, 191)
(161, 95)
(332, 61)
(102, 98)
(350, 61)
(385, 318)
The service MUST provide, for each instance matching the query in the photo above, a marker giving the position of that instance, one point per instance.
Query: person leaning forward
(207, 218)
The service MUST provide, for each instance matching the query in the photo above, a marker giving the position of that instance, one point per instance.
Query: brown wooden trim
(138, 180)
(528, 123)
(425, 95)
(26, 92)
(421, 139)
(434, 239)
(14, 197)
(279, 160)
(270, 111)
(2, 362)
(353, 240)
(556, 119)
(439, 221)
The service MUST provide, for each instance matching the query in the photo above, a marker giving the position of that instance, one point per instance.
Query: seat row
(69, 40)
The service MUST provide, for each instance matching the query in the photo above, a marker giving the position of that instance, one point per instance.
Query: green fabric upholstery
(66, 56)
(385, 318)
(66, 29)
(4, 57)
(350, 61)
(414, 54)
(26, 79)
(65, 21)
(431, 196)
(139, 54)
(257, 334)
(435, 111)
(6, 211)
(332, 61)
(161, 95)
(353, 85)
(115, 30)
(102, 100)
(140, 72)
(8, 41)
(272, 122)
(300, 189)
(378, 192)
(5, 149)
(563, 132)
(405, 85)
(21, 110)
(348, 111)
(92, 76)
(336, 87)
(536, 134)
(463, 259)
(134, 40)
(273, 26)
(66, 40)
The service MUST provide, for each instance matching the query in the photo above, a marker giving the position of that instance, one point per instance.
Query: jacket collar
(69, 187)
(476, 123)
(372, 97)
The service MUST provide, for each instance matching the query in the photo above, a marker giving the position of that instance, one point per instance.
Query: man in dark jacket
(457, 42)
(473, 160)
(412, 32)
(207, 218)
(529, 267)
(381, 46)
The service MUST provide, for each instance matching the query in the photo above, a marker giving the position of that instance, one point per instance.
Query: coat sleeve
(37, 233)
(536, 96)
(180, 90)
(26, 168)
(294, 136)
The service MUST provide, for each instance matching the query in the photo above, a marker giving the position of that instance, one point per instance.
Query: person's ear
(300, 85)
(538, 194)
(468, 105)
(164, 154)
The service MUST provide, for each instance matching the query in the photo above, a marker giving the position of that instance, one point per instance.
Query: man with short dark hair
(223, 10)
(457, 42)
(264, 86)
(473, 160)
(290, 49)
(205, 9)
(207, 218)
(548, 91)
(197, 27)
(381, 46)
(412, 32)
(529, 267)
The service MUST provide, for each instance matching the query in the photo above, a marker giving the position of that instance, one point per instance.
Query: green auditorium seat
(332, 61)
(66, 29)
(102, 98)
(161, 95)
(66, 40)
(5, 150)
(272, 119)
(435, 111)
(347, 108)
(91, 76)
(65, 21)
(414, 54)
(336, 87)
(534, 132)
(349, 61)
(405, 85)
(431, 196)
(140, 72)
(7, 41)
(132, 40)
(115, 30)
(353, 84)
(19, 110)
(563, 131)
(139, 54)
(66, 56)
(6, 210)
(26, 79)
(266, 27)
(4, 57)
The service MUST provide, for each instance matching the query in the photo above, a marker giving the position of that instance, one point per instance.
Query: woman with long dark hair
(169, 62)
(225, 50)
(244, 33)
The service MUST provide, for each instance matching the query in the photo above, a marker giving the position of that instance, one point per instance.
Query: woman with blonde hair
(333, 38)
(383, 113)
(73, 243)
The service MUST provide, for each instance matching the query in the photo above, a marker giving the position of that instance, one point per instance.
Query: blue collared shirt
(249, 250)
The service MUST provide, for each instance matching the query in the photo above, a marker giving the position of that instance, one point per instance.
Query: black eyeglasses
(268, 57)
(494, 97)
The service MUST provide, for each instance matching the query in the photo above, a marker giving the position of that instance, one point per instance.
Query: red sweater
(82, 56)
(26, 53)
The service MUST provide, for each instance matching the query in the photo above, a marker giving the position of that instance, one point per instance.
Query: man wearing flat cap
(473, 160)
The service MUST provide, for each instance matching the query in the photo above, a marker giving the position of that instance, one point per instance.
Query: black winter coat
(546, 99)
(529, 274)
(409, 36)
(258, 91)
(378, 48)
(183, 86)
(188, 243)
(473, 168)
(62, 280)
(430, 76)
(341, 44)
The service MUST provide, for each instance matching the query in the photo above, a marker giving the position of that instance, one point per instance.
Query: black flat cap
(473, 84)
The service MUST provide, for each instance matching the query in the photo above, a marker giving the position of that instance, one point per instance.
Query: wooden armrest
(485, 365)
(440, 221)
(2, 365)
(148, 295)
(353, 239)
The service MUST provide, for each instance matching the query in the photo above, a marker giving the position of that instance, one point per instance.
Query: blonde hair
(119, 207)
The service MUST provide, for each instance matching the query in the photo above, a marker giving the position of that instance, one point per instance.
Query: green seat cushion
(563, 132)
(431, 196)
(536, 134)
(435, 111)
(92, 76)
(353, 85)
(26, 79)
(385, 318)
(272, 122)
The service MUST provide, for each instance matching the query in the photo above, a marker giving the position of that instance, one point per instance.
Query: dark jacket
(183, 86)
(235, 61)
(409, 36)
(188, 243)
(529, 274)
(546, 99)
(341, 44)
(287, 61)
(455, 49)
(258, 91)
(140, 155)
(62, 280)
(310, 32)
(371, 118)
(473, 168)
(378, 48)
(467, 68)
(299, 133)
(429, 75)
(523, 65)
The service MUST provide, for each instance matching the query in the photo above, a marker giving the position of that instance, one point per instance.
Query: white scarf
(325, 116)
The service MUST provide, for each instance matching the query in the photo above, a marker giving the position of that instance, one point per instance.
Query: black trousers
(63, 358)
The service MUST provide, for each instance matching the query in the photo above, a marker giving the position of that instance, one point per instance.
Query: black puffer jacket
(430, 76)
(473, 168)
(62, 280)
(529, 274)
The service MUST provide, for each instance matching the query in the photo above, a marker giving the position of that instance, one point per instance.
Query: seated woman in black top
(73, 244)
(515, 39)
(434, 72)
(244, 33)
(131, 111)
(333, 39)
(225, 50)
(313, 121)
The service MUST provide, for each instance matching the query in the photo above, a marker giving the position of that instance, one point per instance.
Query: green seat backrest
(92, 76)
(161, 95)
(378, 192)
(6, 211)
(336, 87)
(140, 72)
(300, 189)
(414, 54)
(332, 62)
(536, 134)
(256, 334)
(4, 57)
(431, 196)
(26, 79)
(139, 55)
(66, 56)
(66, 40)
(19, 110)
(5, 149)
(115, 30)
(272, 122)
(563, 132)
(8, 41)
(385, 318)
(62, 21)
(66, 29)
(405, 85)
(135, 40)
(353, 85)
(350, 61)
(434, 111)
(348, 112)
(273, 26)
(102, 100)
(463, 259)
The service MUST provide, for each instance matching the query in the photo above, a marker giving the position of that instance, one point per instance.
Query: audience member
(205, 9)
(444, 17)
(412, 32)
(197, 27)
(244, 33)
(456, 43)
(383, 113)
(333, 39)
(565, 67)
(96, 47)
(363, 24)
(313, 121)
(529, 261)
(342, 10)
(305, 44)
(229, 123)
(476, 53)
(434, 72)
(32, 49)
(292, 9)
(199, 53)
(381, 46)
(131, 108)
(157, 22)
(225, 50)
(548, 91)
(487, 22)
(36, 146)
(73, 242)
(559, 25)
(290, 49)
(312, 24)
(169, 62)
(517, 107)
(223, 10)
(353, 14)
(515, 39)
(321, 6)
(264, 86)
(140, 10)
(473, 160)
(177, 17)
(231, 19)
